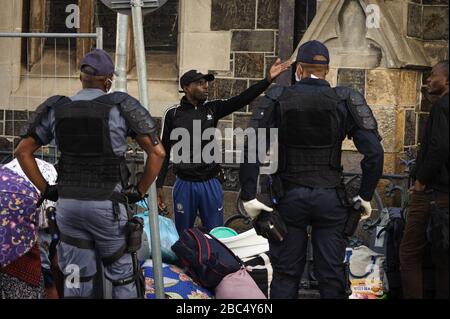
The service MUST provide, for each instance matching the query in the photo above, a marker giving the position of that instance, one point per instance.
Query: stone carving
(342, 26)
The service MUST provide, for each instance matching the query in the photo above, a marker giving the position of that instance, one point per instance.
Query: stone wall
(394, 96)
(428, 22)
(428, 19)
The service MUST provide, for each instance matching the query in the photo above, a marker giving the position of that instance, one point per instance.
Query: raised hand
(277, 68)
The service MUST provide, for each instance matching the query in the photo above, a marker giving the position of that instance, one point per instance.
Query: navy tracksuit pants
(203, 198)
(322, 209)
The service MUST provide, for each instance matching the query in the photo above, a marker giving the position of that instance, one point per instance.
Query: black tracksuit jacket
(209, 114)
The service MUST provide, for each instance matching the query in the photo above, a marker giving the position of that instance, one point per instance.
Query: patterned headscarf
(18, 216)
(50, 175)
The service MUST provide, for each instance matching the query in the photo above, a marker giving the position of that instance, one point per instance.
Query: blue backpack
(207, 259)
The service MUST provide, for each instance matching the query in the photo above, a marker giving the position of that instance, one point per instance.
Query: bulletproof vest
(309, 141)
(88, 168)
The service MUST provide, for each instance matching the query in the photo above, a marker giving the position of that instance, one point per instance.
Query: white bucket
(247, 244)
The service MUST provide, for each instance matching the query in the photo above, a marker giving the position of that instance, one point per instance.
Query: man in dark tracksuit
(312, 120)
(429, 193)
(197, 189)
(91, 131)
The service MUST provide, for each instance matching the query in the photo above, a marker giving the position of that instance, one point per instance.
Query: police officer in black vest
(91, 131)
(313, 119)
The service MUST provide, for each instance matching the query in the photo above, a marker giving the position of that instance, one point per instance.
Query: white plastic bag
(367, 276)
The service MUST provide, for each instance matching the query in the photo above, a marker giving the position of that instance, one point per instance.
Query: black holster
(354, 217)
(134, 231)
(270, 226)
(347, 191)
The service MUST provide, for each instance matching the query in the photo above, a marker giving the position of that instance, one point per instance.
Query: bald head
(437, 82)
(443, 66)
(95, 81)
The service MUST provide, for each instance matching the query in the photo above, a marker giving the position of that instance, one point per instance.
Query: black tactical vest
(309, 141)
(88, 168)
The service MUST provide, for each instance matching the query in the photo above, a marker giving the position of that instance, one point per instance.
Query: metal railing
(44, 66)
(98, 36)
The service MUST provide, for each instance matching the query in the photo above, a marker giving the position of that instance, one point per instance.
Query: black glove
(134, 195)
(50, 193)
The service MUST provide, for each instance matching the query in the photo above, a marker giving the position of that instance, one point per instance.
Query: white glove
(254, 208)
(366, 206)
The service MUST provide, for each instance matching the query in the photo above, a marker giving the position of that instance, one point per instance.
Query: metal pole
(138, 28)
(120, 82)
(100, 38)
(51, 35)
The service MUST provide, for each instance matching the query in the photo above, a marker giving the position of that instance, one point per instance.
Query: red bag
(239, 285)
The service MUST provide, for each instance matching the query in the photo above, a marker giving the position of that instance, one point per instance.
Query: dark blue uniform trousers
(322, 209)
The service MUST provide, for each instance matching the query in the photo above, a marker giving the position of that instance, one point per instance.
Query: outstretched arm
(226, 107)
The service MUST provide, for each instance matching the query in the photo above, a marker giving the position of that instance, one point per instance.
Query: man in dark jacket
(197, 187)
(313, 120)
(429, 195)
